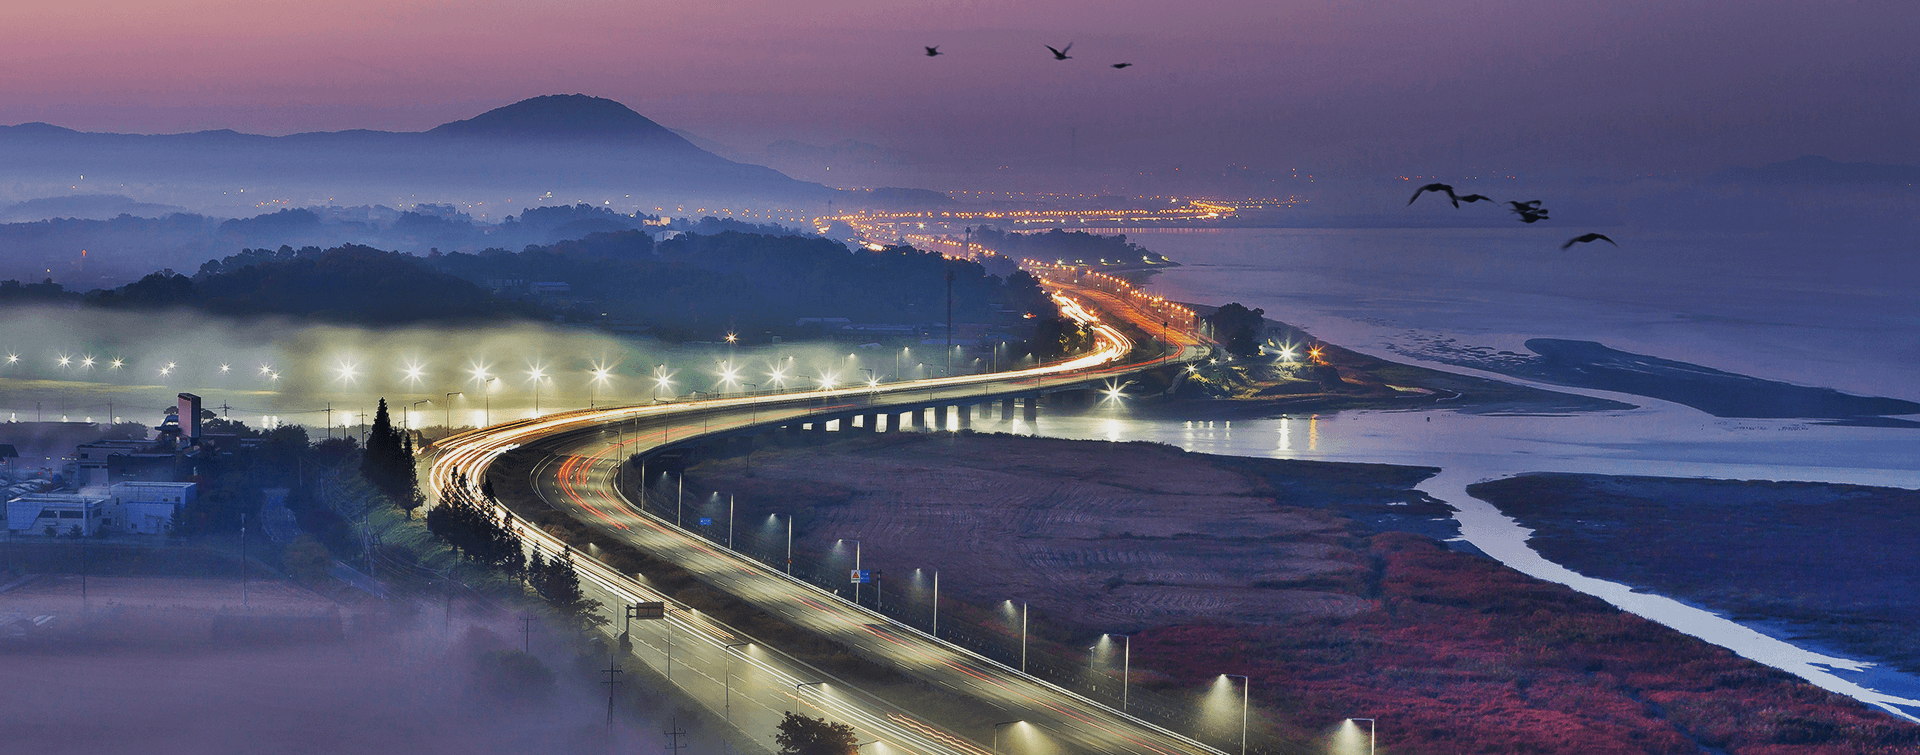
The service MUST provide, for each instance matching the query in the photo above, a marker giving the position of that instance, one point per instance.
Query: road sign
(655, 610)
(862, 576)
(706, 521)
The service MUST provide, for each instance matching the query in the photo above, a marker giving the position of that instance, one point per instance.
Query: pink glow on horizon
(1253, 79)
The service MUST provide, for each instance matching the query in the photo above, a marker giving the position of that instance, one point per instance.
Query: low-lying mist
(70, 364)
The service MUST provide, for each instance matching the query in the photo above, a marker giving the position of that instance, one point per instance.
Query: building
(58, 514)
(100, 464)
(148, 508)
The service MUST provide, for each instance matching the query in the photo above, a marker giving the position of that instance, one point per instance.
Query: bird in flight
(1438, 189)
(1529, 211)
(1586, 238)
(1471, 198)
(1121, 65)
(933, 51)
(1060, 54)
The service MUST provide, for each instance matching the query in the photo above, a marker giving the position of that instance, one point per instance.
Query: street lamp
(996, 734)
(450, 410)
(727, 678)
(1023, 633)
(600, 377)
(410, 412)
(1370, 732)
(789, 540)
(1126, 666)
(1246, 686)
(661, 379)
(856, 567)
(536, 375)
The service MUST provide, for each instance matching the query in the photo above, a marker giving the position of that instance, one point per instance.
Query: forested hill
(688, 287)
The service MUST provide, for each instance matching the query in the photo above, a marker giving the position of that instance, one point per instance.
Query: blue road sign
(862, 576)
(706, 521)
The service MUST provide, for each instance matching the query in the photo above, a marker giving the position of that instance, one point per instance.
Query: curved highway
(753, 684)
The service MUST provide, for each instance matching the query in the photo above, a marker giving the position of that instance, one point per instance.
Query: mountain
(565, 117)
(566, 147)
(1813, 170)
(83, 206)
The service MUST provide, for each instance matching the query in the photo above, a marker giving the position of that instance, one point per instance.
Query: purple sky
(1614, 88)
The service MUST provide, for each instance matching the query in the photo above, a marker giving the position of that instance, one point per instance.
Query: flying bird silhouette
(1121, 65)
(1586, 238)
(933, 51)
(1060, 54)
(1529, 211)
(1438, 189)
(1471, 198)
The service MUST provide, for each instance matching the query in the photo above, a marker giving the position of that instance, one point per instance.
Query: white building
(148, 508)
(57, 513)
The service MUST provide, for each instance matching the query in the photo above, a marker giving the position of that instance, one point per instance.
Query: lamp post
(410, 412)
(856, 568)
(1126, 667)
(727, 678)
(729, 521)
(1370, 733)
(996, 734)
(1246, 687)
(450, 410)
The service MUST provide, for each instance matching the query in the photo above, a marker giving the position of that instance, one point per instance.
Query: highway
(751, 683)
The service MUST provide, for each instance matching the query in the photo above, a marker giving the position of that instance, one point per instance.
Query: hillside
(581, 145)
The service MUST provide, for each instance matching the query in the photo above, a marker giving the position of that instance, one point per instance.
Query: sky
(1624, 88)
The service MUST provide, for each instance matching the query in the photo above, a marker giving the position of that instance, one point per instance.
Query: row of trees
(480, 531)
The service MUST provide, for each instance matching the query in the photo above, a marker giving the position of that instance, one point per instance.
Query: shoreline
(1757, 567)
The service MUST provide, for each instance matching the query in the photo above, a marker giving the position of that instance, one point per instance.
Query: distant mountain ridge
(1814, 170)
(571, 143)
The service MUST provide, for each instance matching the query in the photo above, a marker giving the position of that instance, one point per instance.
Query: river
(1813, 319)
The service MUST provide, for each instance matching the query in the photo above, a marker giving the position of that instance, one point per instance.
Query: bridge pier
(1006, 409)
(920, 419)
(966, 416)
(1032, 413)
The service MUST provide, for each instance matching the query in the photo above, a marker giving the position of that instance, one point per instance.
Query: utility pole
(613, 672)
(949, 321)
(729, 521)
(243, 560)
(526, 633)
(936, 604)
(674, 745)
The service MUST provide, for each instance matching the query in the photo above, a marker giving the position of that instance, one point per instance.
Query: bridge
(970, 699)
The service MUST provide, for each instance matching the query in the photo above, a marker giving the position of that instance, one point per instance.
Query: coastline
(1822, 561)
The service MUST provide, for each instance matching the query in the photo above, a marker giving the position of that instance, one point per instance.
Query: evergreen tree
(805, 735)
(387, 462)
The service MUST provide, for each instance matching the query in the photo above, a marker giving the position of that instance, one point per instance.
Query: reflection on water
(1659, 440)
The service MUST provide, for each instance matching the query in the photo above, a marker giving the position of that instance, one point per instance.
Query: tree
(555, 581)
(1239, 328)
(388, 461)
(805, 735)
(1055, 337)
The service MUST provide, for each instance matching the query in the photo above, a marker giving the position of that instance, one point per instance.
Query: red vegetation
(1463, 655)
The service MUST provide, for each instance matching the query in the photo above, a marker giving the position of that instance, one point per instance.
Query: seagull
(1471, 198)
(1121, 65)
(1060, 54)
(1529, 211)
(1438, 188)
(1582, 239)
(933, 51)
